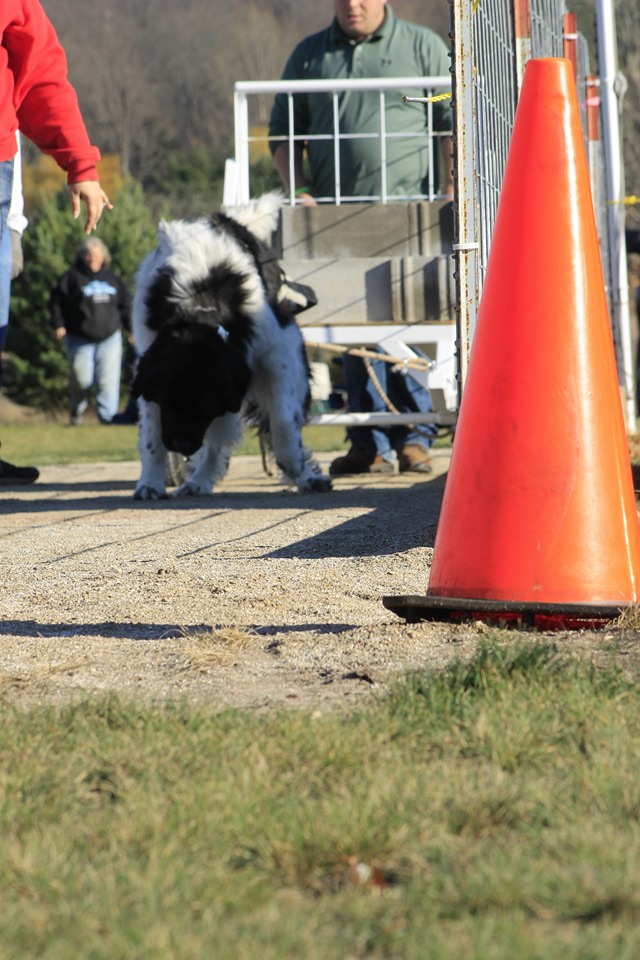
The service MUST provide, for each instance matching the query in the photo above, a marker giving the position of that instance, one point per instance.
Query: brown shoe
(360, 460)
(414, 459)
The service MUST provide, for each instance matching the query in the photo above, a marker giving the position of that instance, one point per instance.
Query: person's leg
(9, 474)
(5, 288)
(411, 443)
(364, 397)
(81, 356)
(371, 450)
(108, 359)
(6, 183)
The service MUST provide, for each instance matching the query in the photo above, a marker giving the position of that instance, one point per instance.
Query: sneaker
(360, 460)
(12, 475)
(414, 459)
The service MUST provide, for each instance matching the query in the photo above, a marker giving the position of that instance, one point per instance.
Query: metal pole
(466, 245)
(522, 32)
(241, 111)
(612, 88)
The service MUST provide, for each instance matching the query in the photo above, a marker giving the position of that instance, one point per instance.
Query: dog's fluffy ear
(260, 216)
(296, 297)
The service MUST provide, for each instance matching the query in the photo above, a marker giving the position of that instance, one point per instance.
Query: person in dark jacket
(90, 307)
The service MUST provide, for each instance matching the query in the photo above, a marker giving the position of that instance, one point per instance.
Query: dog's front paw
(191, 489)
(144, 491)
(317, 484)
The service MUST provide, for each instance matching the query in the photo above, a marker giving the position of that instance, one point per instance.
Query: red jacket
(35, 94)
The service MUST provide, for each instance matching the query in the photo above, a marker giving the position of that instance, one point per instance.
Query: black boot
(10, 475)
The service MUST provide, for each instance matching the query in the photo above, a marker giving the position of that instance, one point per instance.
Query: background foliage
(36, 372)
(155, 84)
(156, 77)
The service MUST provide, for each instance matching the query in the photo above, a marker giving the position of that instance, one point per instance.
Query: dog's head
(194, 373)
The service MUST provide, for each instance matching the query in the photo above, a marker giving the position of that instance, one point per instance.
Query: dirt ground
(256, 597)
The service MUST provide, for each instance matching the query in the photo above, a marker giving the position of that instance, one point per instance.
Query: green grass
(491, 812)
(44, 444)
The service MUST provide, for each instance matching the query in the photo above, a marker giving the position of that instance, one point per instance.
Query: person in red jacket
(37, 98)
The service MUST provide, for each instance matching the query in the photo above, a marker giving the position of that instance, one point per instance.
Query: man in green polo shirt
(366, 40)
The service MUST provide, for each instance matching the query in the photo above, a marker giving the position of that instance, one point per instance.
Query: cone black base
(504, 613)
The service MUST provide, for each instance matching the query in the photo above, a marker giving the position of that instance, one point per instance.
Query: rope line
(387, 401)
(409, 363)
(435, 99)
(627, 201)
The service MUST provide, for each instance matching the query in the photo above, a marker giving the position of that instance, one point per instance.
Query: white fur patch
(259, 216)
(191, 248)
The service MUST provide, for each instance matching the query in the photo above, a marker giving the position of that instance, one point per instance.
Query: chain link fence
(492, 43)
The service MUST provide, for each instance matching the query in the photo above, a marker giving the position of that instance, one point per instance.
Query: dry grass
(217, 648)
(629, 619)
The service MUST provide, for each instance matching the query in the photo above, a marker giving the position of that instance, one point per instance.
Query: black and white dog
(219, 346)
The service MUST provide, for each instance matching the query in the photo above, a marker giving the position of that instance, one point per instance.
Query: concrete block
(408, 289)
(365, 230)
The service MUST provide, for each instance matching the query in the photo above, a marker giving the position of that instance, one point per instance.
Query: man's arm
(279, 128)
(47, 107)
(281, 159)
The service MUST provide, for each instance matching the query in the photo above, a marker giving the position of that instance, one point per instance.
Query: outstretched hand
(95, 200)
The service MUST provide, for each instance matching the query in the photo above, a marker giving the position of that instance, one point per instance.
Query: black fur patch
(267, 263)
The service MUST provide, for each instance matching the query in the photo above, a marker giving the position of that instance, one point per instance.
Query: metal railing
(238, 172)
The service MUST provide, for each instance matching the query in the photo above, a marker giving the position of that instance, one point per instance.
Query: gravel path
(255, 597)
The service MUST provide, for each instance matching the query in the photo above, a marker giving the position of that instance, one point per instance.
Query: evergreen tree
(37, 371)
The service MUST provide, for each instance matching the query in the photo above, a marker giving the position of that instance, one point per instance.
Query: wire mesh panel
(546, 28)
(485, 88)
(489, 33)
(496, 97)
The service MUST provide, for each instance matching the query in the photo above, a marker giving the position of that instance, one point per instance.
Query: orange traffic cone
(538, 521)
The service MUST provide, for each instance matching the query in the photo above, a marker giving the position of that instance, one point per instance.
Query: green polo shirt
(397, 49)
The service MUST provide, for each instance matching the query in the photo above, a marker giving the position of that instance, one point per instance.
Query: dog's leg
(296, 462)
(153, 454)
(281, 388)
(213, 458)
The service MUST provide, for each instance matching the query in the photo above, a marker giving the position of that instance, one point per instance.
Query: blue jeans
(95, 364)
(6, 181)
(403, 391)
(5, 289)
(5, 276)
